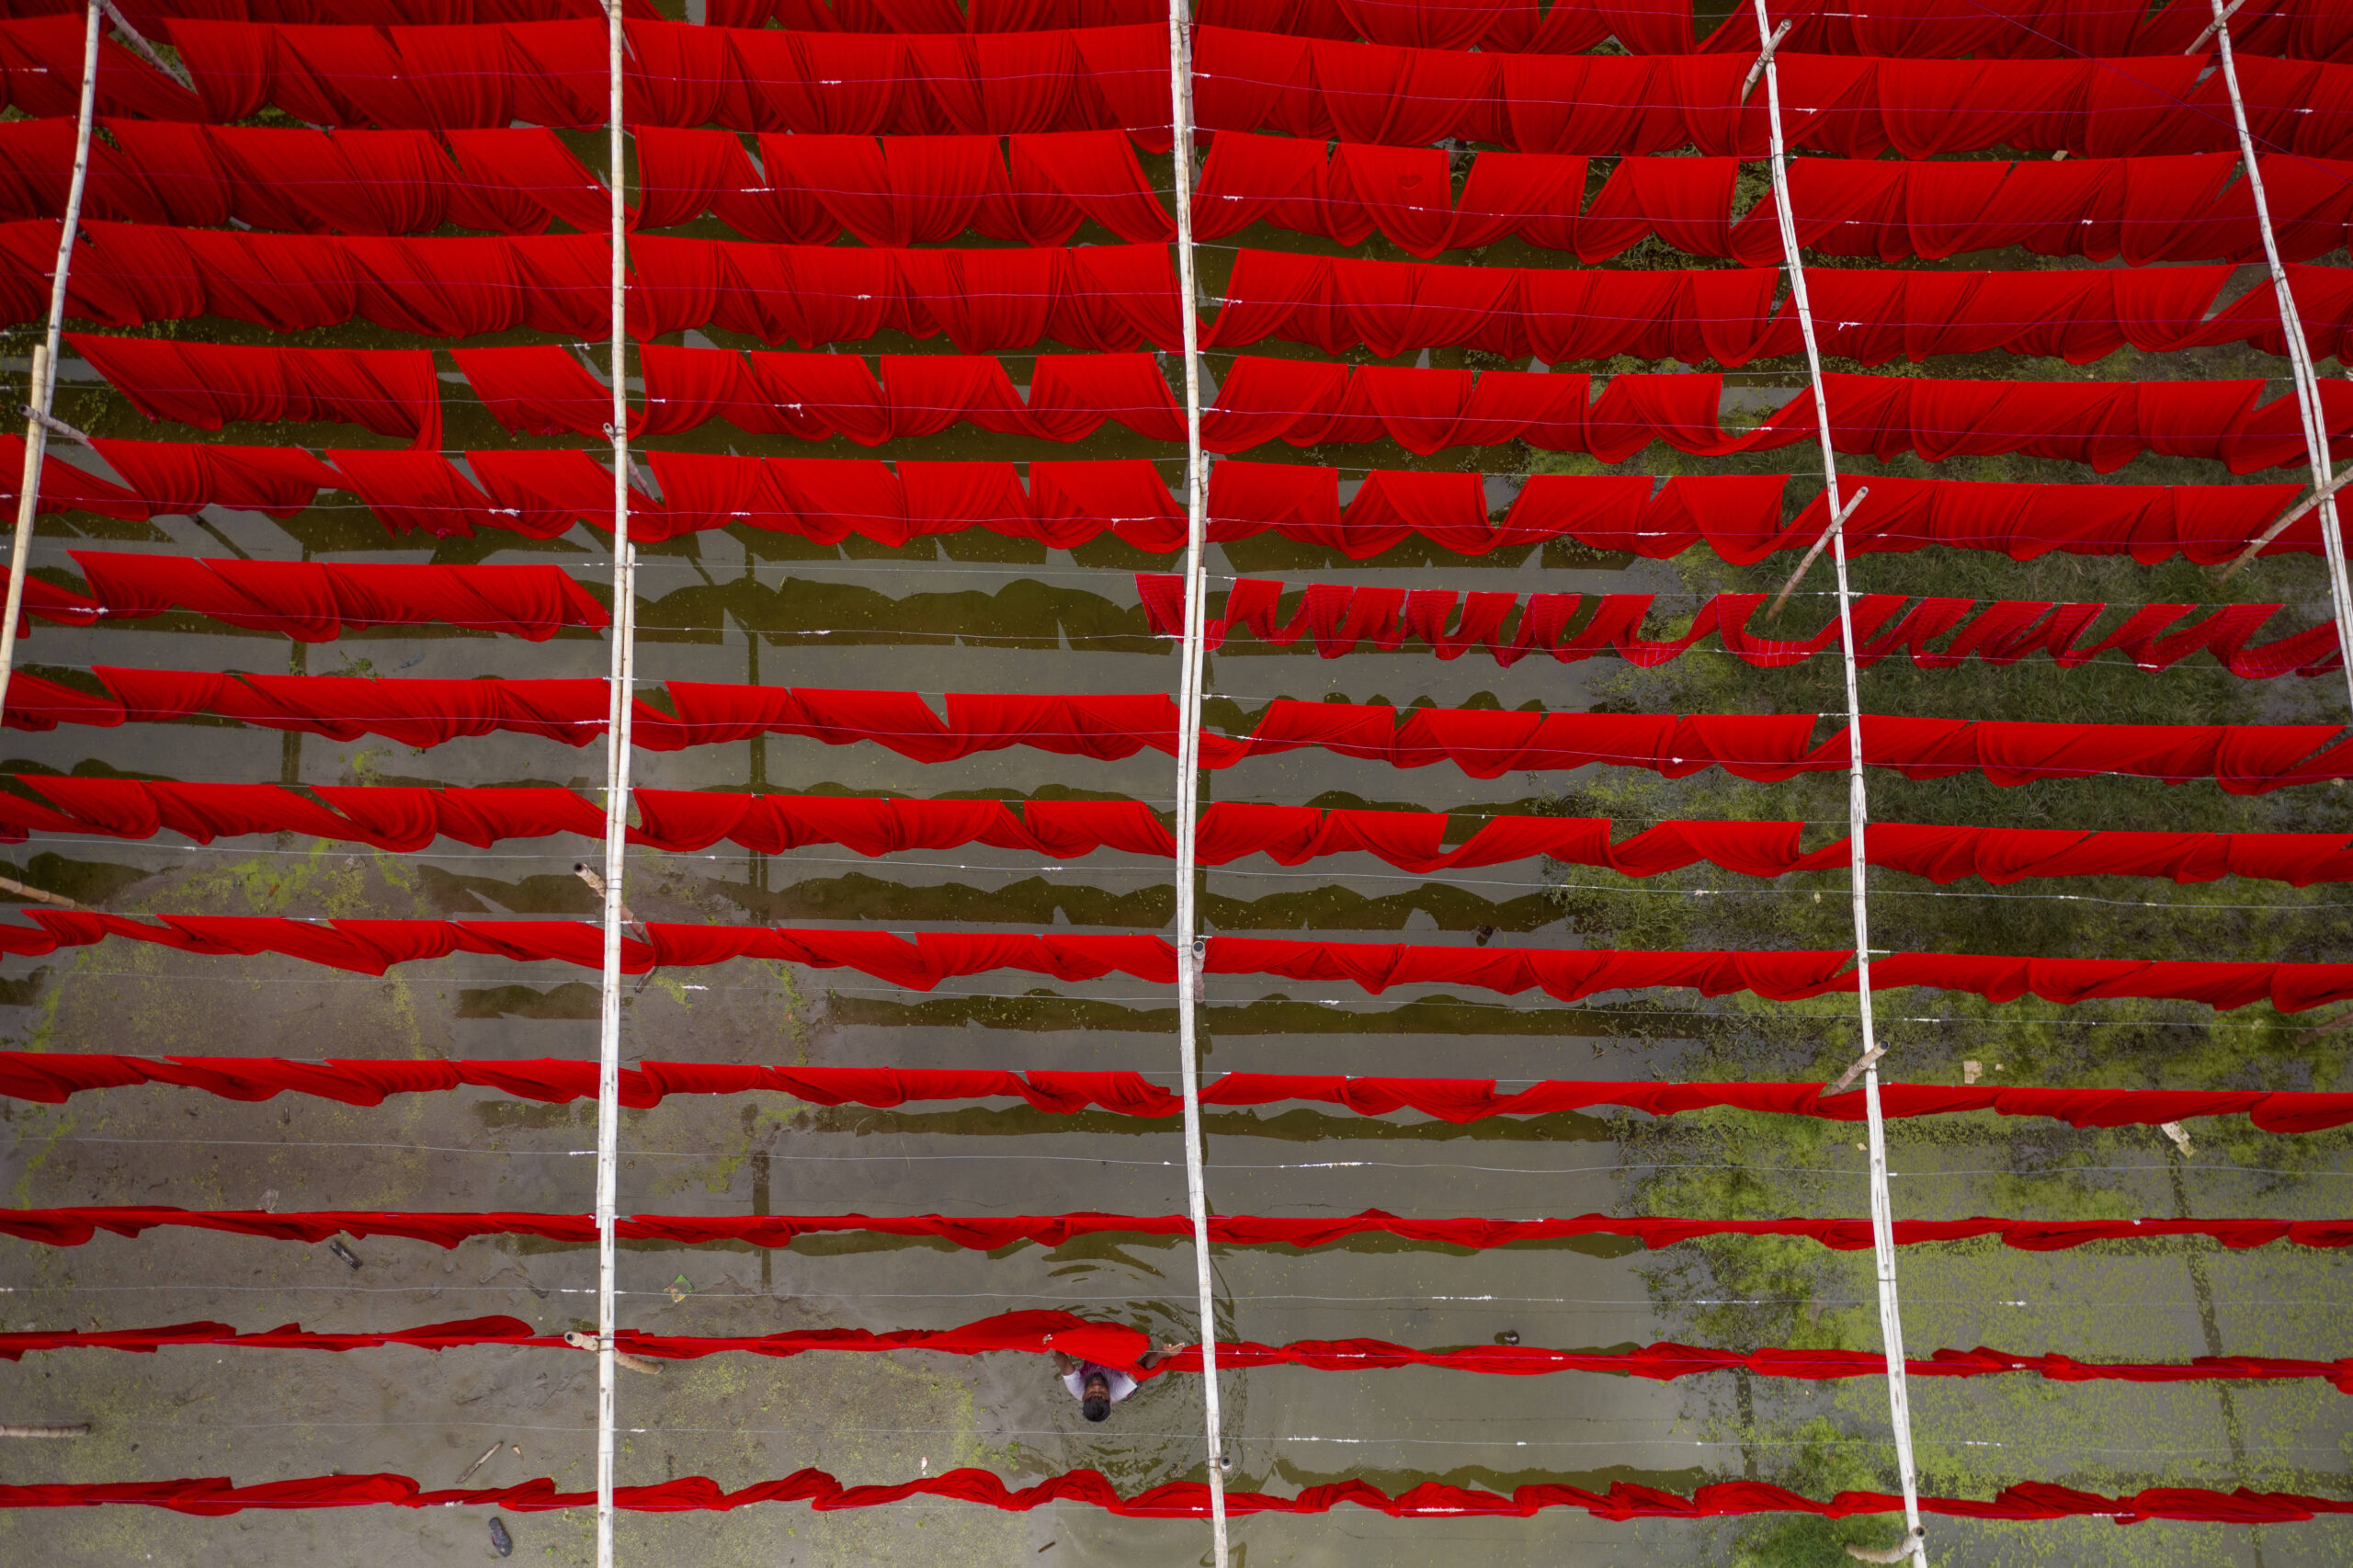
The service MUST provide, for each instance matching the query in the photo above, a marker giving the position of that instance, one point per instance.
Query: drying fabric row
(1339, 619)
(1038, 1333)
(1483, 742)
(1302, 403)
(406, 819)
(1930, 29)
(542, 495)
(1117, 78)
(1036, 189)
(315, 601)
(55, 1078)
(214, 1496)
(409, 819)
(211, 1495)
(446, 1228)
(1116, 298)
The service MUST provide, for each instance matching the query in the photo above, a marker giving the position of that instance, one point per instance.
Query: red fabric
(2103, 424)
(508, 181)
(77, 1226)
(314, 601)
(1038, 1332)
(41, 73)
(1340, 619)
(1114, 298)
(2245, 759)
(815, 397)
(1623, 1500)
(1598, 105)
(921, 963)
(1032, 189)
(1922, 28)
(2185, 208)
(388, 390)
(408, 819)
(542, 493)
(1730, 317)
(53, 1077)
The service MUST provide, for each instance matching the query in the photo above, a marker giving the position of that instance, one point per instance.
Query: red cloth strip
(407, 818)
(77, 1226)
(818, 396)
(317, 601)
(923, 961)
(2245, 759)
(1731, 316)
(53, 1077)
(41, 73)
(2145, 210)
(1113, 299)
(390, 390)
(1940, 28)
(1093, 78)
(1623, 1501)
(544, 494)
(1340, 619)
(1113, 1344)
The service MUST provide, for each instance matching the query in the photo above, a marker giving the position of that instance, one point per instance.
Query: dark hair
(1096, 1408)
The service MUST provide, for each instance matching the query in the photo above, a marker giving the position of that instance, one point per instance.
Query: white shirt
(1122, 1384)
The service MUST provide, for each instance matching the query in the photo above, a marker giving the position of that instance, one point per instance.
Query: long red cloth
(1117, 298)
(77, 1226)
(2145, 210)
(1038, 1332)
(41, 73)
(1340, 619)
(1933, 30)
(1104, 77)
(542, 493)
(1184, 1500)
(2245, 759)
(53, 1077)
(1729, 317)
(818, 396)
(408, 818)
(923, 961)
(315, 601)
(390, 390)
(295, 179)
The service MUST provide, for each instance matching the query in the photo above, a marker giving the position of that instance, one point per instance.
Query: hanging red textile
(1341, 618)
(78, 1226)
(215, 1495)
(2184, 207)
(40, 72)
(1609, 104)
(2105, 424)
(53, 1077)
(296, 179)
(2245, 759)
(1937, 28)
(1040, 1333)
(1729, 317)
(407, 818)
(818, 396)
(390, 390)
(313, 601)
(922, 962)
(544, 494)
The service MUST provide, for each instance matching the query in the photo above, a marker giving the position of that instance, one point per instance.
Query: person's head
(1095, 1400)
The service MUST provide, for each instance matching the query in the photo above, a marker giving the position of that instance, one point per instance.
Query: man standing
(1097, 1387)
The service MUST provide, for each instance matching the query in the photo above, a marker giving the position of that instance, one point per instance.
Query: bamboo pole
(1192, 659)
(1891, 1314)
(43, 390)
